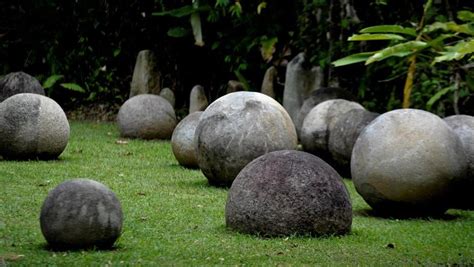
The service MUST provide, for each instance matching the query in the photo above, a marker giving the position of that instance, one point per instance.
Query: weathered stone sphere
(237, 128)
(405, 162)
(289, 192)
(32, 126)
(315, 130)
(318, 96)
(182, 140)
(17, 83)
(343, 134)
(463, 126)
(81, 213)
(146, 116)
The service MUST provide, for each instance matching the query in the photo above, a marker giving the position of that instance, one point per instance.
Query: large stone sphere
(182, 141)
(146, 116)
(463, 126)
(81, 213)
(17, 83)
(237, 128)
(289, 192)
(405, 163)
(315, 130)
(32, 126)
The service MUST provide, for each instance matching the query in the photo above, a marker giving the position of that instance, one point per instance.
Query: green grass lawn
(172, 217)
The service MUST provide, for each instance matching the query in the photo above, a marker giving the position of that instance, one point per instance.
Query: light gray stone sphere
(81, 213)
(146, 116)
(17, 83)
(289, 192)
(32, 126)
(182, 140)
(237, 128)
(405, 163)
(463, 126)
(315, 130)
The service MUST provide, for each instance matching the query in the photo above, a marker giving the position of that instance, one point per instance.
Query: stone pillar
(268, 84)
(146, 78)
(168, 94)
(197, 99)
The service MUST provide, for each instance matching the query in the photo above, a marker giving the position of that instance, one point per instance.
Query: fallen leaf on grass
(121, 142)
(141, 194)
(11, 257)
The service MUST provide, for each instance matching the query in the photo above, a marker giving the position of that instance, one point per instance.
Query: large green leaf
(51, 81)
(467, 28)
(373, 37)
(390, 29)
(438, 95)
(177, 32)
(399, 50)
(457, 52)
(182, 11)
(73, 87)
(355, 58)
(466, 15)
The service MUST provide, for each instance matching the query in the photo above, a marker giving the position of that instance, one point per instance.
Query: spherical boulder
(463, 126)
(314, 132)
(289, 192)
(405, 163)
(17, 83)
(81, 213)
(237, 128)
(32, 126)
(146, 116)
(182, 140)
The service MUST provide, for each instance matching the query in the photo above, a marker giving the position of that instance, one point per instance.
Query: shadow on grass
(48, 247)
(380, 215)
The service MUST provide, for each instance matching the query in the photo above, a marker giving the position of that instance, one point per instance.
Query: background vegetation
(94, 44)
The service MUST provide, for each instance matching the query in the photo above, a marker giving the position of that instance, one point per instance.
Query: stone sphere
(237, 128)
(315, 130)
(289, 192)
(343, 135)
(463, 126)
(146, 116)
(17, 83)
(182, 140)
(81, 213)
(318, 96)
(405, 162)
(32, 126)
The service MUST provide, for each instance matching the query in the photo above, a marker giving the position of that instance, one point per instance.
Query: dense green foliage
(93, 44)
(172, 217)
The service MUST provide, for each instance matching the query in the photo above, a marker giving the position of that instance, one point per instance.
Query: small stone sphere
(81, 213)
(17, 83)
(405, 163)
(146, 116)
(237, 128)
(343, 135)
(289, 192)
(315, 130)
(463, 126)
(32, 126)
(182, 140)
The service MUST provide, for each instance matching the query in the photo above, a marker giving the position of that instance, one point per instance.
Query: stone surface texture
(146, 78)
(405, 163)
(182, 140)
(32, 126)
(299, 83)
(197, 99)
(237, 128)
(168, 94)
(17, 83)
(289, 192)
(81, 213)
(146, 116)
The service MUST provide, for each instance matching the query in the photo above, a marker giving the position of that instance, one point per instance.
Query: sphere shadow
(382, 215)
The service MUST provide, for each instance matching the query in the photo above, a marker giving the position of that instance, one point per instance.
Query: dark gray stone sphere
(405, 163)
(463, 126)
(81, 213)
(237, 128)
(17, 83)
(32, 126)
(146, 116)
(182, 141)
(343, 135)
(289, 192)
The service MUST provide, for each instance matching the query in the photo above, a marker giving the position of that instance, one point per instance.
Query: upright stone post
(146, 78)
(197, 99)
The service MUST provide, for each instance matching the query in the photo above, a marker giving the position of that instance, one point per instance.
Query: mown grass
(172, 217)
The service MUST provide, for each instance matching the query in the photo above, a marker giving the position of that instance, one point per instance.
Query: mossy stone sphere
(237, 128)
(81, 213)
(32, 126)
(146, 116)
(18, 83)
(182, 140)
(405, 163)
(289, 192)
